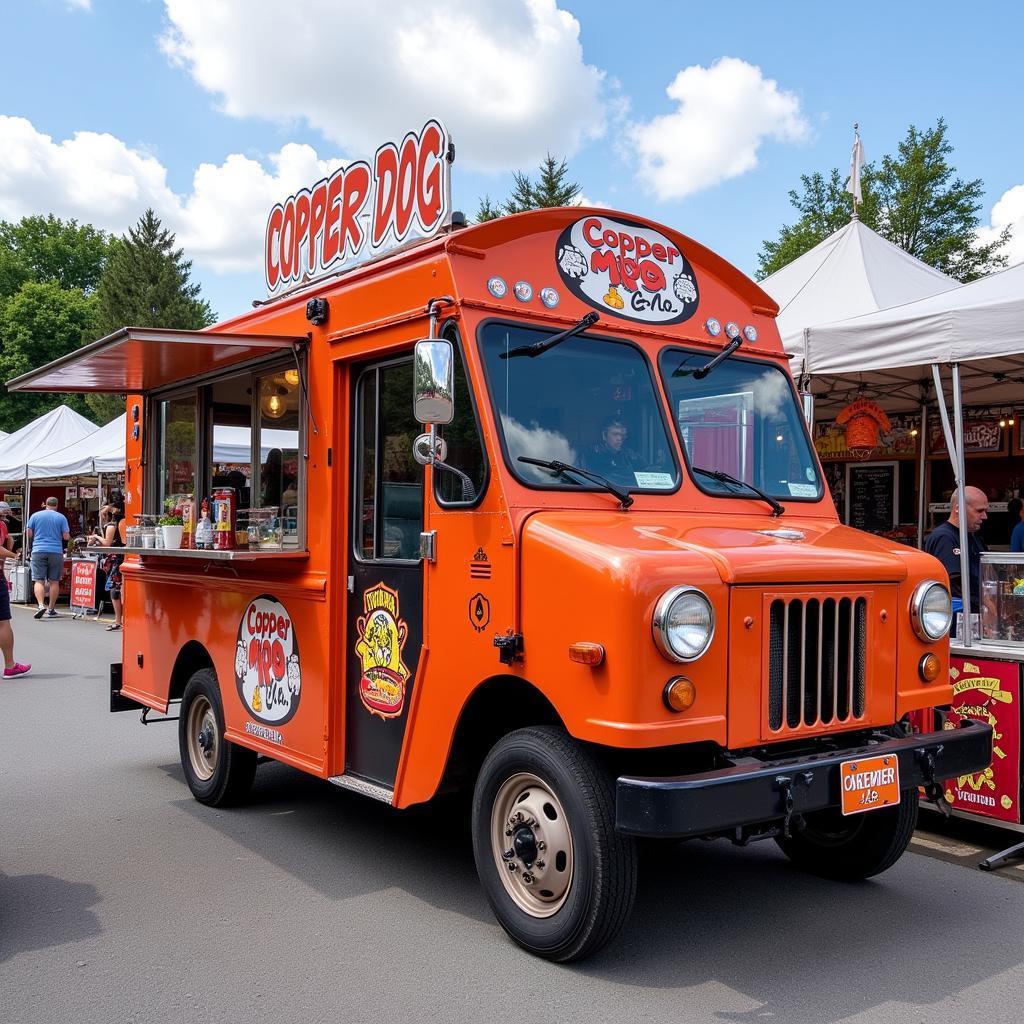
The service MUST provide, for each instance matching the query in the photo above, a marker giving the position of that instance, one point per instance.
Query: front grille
(816, 659)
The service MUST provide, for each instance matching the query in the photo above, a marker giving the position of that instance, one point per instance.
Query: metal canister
(224, 512)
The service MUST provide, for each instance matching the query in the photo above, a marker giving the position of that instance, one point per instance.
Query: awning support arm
(301, 370)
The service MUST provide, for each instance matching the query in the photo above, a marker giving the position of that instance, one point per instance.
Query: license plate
(869, 783)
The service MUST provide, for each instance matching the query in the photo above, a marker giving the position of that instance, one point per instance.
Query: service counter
(230, 555)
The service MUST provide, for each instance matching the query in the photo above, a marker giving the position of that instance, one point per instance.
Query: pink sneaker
(17, 669)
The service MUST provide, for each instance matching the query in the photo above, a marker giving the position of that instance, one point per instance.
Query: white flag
(856, 162)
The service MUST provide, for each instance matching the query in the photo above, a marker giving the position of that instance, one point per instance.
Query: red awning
(139, 359)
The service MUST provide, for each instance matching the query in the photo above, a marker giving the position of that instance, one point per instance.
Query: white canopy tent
(54, 430)
(101, 451)
(976, 330)
(852, 272)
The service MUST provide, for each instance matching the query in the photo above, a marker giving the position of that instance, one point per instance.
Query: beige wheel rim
(203, 738)
(531, 841)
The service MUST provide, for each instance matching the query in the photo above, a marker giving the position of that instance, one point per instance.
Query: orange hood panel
(740, 549)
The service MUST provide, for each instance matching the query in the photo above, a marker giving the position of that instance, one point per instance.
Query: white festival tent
(50, 432)
(101, 451)
(852, 272)
(975, 330)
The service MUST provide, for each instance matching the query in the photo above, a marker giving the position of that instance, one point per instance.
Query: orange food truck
(605, 589)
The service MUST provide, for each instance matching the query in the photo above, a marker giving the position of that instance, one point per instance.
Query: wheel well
(191, 658)
(498, 706)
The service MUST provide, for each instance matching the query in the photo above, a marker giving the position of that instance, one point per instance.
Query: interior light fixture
(291, 377)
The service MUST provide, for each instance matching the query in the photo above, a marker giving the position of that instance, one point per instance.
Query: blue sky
(700, 117)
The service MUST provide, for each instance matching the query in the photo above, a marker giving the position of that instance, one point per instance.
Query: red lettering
(406, 195)
(605, 261)
(254, 652)
(643, 248)
(629, 272)
(273, 241)
(277, 655)
(611, 239)
(672, 254)
(589, 226)
(288, 240)
(318, 207)
(386, 174)
(428, 195)
(652, 276)
(658, 252)
(332, 218)
(266, 662)
(357, 188)
(301, 228)
(282, 628)
(249, 625)
(627, 243)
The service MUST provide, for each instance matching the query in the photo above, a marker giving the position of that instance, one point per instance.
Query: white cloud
(725, 113)
(1008, 212)
(97, 179)
(506, 76)
(79, 5)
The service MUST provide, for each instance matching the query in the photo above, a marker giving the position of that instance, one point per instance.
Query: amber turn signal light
(929, 667)
(679, 693)
(586, 653)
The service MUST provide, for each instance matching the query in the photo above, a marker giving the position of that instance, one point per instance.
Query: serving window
(241, 431)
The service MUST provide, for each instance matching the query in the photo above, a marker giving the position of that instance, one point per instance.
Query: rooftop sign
(362, 210)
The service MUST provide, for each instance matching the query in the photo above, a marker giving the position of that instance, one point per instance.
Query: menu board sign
(988, 691)
(871, 496)
(898, 443)
(981, 437)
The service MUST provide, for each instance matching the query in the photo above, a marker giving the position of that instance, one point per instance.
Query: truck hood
(742, 549)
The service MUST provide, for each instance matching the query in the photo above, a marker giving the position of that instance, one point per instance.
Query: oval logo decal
(628, 270)
(268, 671)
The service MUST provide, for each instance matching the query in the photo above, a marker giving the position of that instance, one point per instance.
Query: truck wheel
(559, 878)
(218, 772)
(849, 849)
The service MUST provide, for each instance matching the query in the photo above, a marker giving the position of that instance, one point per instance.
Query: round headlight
(684, 623)
(931, 612)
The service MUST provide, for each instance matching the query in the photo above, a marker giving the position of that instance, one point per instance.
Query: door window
(390, 481)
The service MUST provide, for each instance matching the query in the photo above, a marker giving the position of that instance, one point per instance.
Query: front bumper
(751, 791)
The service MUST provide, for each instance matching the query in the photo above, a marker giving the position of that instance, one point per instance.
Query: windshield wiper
(539, 347)
(625, 498)
(725, 478)
(723, 355)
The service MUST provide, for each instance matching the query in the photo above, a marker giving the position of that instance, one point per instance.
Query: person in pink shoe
(11, 667)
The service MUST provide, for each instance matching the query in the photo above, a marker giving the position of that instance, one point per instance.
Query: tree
(41, 322)
(551, 190)
(913, 199)
(146, 284)
(67, 253)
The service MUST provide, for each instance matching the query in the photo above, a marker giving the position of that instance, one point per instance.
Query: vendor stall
(969, 342)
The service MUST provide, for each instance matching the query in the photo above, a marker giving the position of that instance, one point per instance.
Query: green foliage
(551, 189)
(146, 284)
(914, 200)
(49, 249)
(41, 322)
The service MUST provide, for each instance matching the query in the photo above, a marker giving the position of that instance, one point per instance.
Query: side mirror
(808, 403)
(434, 382)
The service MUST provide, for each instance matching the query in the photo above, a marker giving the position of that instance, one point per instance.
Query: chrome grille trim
(817, 658)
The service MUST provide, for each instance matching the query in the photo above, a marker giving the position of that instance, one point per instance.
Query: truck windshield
(741, 420)
(587, 402)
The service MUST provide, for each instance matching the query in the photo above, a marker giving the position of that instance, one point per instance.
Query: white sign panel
(362, 210)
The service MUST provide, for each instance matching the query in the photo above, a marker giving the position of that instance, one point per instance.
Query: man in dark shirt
(944, 542)
(610, 457)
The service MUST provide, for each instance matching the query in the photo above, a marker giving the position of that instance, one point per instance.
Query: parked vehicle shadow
(790, 947)
(40, 911)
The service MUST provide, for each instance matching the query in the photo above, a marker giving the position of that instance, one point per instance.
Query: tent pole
(965, 575)
(922, 498)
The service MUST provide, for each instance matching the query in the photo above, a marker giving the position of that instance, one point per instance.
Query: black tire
(582, 876)
(219, 773)
(849, 849)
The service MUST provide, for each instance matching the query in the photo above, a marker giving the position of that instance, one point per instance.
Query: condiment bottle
(204, 528)
(188, 522)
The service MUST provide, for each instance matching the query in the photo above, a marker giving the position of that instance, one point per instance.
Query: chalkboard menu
(871, 496)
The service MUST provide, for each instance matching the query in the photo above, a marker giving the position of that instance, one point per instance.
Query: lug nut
(512, 865)
(527, 878)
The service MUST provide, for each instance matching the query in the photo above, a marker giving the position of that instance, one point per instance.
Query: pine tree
(146, 284)
(551, 190)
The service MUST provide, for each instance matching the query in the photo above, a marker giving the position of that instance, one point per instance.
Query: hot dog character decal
(382, 635)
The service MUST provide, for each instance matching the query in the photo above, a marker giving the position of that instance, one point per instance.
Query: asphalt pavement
(124, 900)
